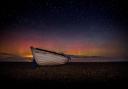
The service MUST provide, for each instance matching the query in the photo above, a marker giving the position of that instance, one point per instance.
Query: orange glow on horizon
(22, 47)
(28, 56)
(74, 52)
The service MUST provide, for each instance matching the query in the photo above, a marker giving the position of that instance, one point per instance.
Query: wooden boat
(46, 57)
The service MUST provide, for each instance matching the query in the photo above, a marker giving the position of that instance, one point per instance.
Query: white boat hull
(47, 58)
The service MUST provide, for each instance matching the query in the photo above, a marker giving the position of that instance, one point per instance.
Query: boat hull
(46, 58)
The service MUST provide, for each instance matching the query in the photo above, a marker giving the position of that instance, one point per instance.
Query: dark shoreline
(71, 74)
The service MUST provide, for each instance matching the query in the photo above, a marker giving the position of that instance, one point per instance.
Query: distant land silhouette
(8, 57)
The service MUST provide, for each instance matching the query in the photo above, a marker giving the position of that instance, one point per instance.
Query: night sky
(79, 27)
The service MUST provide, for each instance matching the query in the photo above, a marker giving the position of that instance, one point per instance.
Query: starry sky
(78, 27)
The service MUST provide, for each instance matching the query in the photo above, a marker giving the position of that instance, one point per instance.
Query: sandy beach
(94, 73)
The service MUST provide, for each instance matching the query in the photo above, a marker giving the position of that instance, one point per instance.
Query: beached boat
(46, 57)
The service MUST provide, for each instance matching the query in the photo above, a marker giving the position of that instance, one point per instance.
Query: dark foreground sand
(68, 75)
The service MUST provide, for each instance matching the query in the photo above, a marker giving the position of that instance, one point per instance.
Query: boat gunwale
(60, 54)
